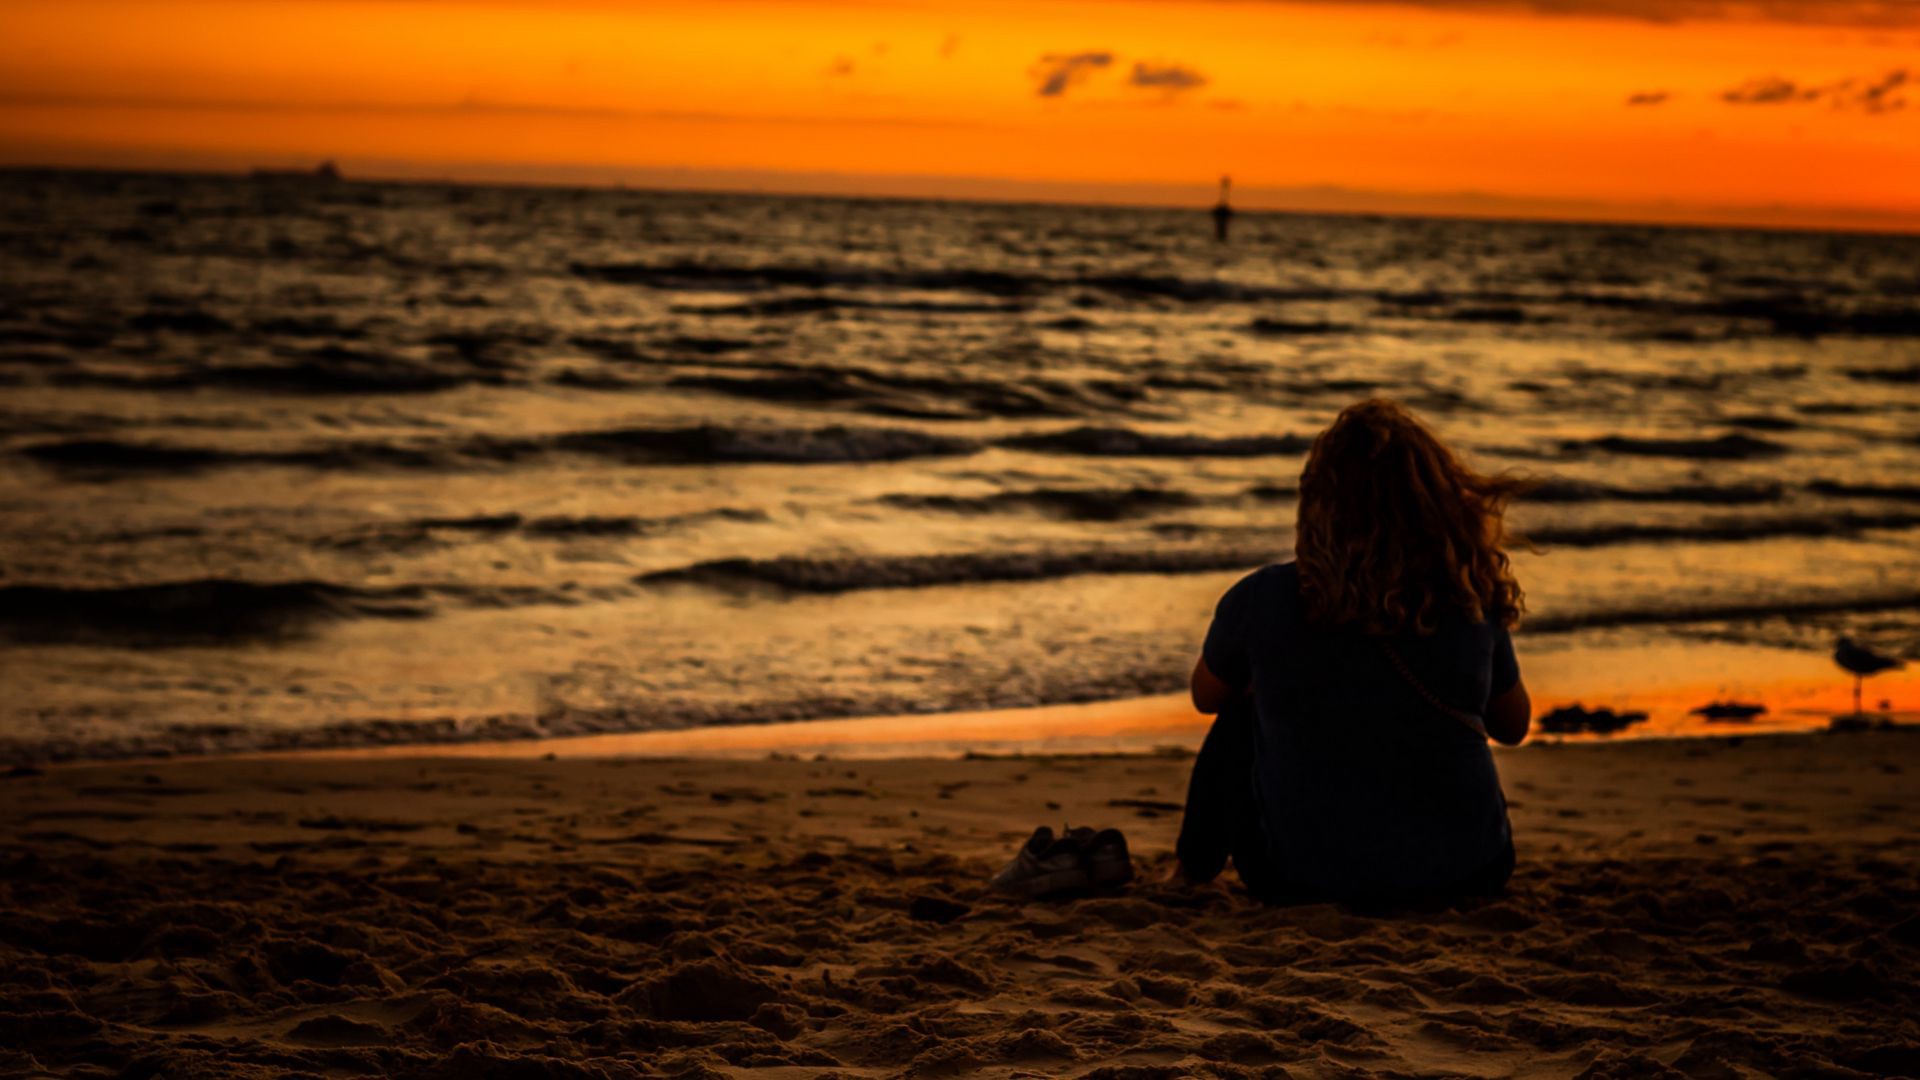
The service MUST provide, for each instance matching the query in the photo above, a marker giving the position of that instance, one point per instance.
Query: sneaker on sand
(1106, 858)
(1076, 859)
(1045, 864)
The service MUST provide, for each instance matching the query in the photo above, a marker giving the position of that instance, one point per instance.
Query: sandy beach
(1723, 908)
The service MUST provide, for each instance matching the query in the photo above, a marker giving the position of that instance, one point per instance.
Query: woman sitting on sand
(1357, 686)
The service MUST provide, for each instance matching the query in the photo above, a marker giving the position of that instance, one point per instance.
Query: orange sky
(1476, 106)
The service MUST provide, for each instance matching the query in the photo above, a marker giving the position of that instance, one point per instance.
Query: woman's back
(1357, 686)
(1365, 785)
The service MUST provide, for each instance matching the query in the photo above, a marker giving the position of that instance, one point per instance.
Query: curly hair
(1394, 531)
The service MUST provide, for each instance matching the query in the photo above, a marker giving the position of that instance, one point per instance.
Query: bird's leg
(1857, 680)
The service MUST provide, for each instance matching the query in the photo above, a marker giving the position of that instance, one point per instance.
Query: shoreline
(1112, 729)
(1800, 688)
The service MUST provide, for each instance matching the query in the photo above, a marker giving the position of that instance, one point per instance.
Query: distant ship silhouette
(326, 172)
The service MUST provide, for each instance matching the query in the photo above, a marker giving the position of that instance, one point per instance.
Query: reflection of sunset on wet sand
(1668, 682)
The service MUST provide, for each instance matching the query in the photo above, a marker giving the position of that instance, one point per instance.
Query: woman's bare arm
(1509, 716)
(1210, 694)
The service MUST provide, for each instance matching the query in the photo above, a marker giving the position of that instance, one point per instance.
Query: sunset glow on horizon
(1785, 114)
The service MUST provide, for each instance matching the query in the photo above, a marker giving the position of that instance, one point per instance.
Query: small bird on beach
(1863, 662)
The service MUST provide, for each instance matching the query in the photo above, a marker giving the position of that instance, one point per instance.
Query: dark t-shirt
(1366, 788)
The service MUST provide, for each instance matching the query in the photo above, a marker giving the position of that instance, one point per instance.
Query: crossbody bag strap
(1471, 720)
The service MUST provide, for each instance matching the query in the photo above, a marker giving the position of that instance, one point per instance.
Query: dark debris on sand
(1580, 720)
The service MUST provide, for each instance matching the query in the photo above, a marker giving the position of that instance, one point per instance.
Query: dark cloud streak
(1878, 14)
(1058, 72)
(1853, 13)
(1881, 94)
(1767, 90)
(1170, 78)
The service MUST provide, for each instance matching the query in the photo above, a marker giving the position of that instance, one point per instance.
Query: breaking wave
(1724, 448)
(1758, 608)
(226, 610)
(938, 397)
(189, 612)
(1783, 308)
(421, 532)
(698, 444)
(1577, 491)
(1126, 442)
(1072, 504)
(1891, 492)
(1757, 528)
(834, 574)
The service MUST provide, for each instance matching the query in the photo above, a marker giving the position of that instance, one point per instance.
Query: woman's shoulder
(1267, 589)
(1274, 576)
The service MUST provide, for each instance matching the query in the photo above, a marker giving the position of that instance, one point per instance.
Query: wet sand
(1726, 907)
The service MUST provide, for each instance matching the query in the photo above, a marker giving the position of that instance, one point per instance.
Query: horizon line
(1337, 200)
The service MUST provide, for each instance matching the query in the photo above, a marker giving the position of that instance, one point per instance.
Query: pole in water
(1223, 211)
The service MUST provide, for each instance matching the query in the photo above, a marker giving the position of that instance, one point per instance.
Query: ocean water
(291, 463)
